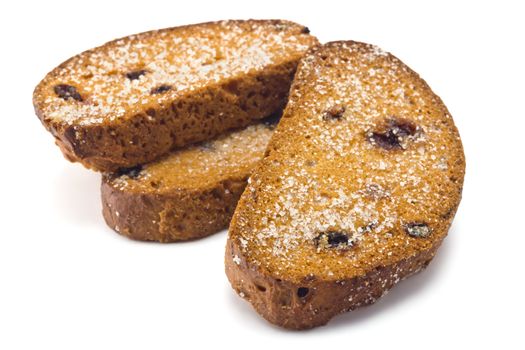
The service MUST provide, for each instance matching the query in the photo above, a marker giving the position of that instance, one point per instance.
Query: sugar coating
(325, 175)
(231, 155)
(185, 59)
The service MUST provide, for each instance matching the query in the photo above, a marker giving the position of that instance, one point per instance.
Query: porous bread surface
(134, 99)
(188, 194)
(360, 184)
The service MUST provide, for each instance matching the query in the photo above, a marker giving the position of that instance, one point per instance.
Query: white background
(69, 282)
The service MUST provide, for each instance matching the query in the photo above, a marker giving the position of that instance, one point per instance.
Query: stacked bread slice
(354, 190)
(189, 194)
(134, 99)
(146, 98)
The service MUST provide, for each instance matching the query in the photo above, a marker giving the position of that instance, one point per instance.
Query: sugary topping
(118, 79)
(362, 167)
(232, 155)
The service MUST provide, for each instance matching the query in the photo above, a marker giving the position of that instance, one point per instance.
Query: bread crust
(278, 300)
(331, 220)
(152, 127)
(170, 217)
(189, 194)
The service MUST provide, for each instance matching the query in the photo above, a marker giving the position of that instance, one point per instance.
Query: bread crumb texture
(189, 194)
(134, 99)
(199, 166)
(361, 182)
(116, 79)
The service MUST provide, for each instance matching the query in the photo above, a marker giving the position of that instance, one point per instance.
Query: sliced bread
(188, 194)
(359, 186)
(134, 99)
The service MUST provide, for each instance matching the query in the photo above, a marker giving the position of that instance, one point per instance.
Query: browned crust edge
(177, 215)
(279, 302)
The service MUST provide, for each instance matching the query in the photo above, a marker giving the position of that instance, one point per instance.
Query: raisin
(67, 91)
(305, 30)
(332, 239)
(394, 135)
(160, 89)
(302, 292)
(418, 229)
(334, 113)
(132, 172)
(136, 74)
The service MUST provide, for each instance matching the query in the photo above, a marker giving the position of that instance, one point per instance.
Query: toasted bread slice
(134, 99)
(188, 194)
(360, 184)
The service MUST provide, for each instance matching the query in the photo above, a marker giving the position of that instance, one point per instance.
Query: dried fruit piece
(394, 134)
(334, 112)
(332, 239)
(135, 74)
(161, 89)
(66, 92)
(418, 229)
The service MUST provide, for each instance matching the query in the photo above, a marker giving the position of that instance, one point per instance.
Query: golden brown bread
(134, 99)
(359, 186)
(188, 194)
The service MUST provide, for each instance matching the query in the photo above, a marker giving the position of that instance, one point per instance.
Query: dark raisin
(305, 30)
(161, 89)
(417, 229)
(302, 292)
(132, 172)
(67, 91)
(332, 239)
(334, 112)
(395, 133)
(134, 75)
(272, 120)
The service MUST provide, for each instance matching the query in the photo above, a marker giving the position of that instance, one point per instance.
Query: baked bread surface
(189, 194)
(359, 186)
(134, 99)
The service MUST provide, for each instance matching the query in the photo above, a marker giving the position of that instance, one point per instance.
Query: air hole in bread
(260, 288)
(232, 87)
(151, 112)
(154, 184)
(302, 292)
